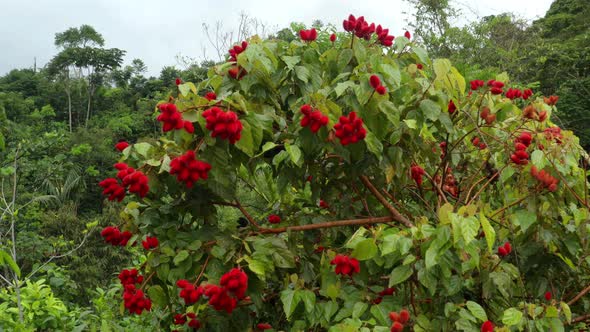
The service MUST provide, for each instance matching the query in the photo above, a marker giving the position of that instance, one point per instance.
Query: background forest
(59, 125)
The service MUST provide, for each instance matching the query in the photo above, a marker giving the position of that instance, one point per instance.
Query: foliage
(434, 241)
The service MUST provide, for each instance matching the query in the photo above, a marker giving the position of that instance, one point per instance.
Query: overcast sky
(157, 30)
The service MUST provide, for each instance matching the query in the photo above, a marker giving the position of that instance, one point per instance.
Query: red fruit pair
(476, 84)
(274, 219)
(487, 326)
(496, 87)
(399, 319)
(135, 301)
(505, 250)
(226, 125)
(375, 82)
(121, 146)
(219, 298)
(513, 94)
(314, 119)
(150, 242)
(189, 292)
(115, 237)
(236, 282)
(137, 183)
(487, 115)
(545, 178)
(130, 277)
(346, 265)
(236, 50)
(387, 291)
(416, 172)
(188, 169)
(308, 35)
(383, 36)
(476, 142)
(350, 129)
(172, 119)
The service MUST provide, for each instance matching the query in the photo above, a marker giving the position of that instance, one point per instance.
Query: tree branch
(329, 224)
(394, 212)
(247, 215)
(579, 296)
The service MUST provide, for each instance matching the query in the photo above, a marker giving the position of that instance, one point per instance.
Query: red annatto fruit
(525, 138)
(397, 327)
(387, 291)
(179, 319)
(219, 299)
(308, 35)
(121, 146)
(475, 141)
(377, 300)
(482, 146)
(314, 119)
(375, 81)
(178, 81)
(487, 326)
(333, 37)
(130, 277)
(263, 326)
(502, 251)
(419, 66)
(274, 219)
(508, 247)
(194, 323)
(235, 281)
(484, 112)
(171, 117)
(408, 35)
(135, 301)
(150, 242)
(381, 90)
(548, 296)
(137, 183)
(189, 292)
(226, 125)
(542, 116)
(345, 265)
(324, 205)
(210, 96)
(124, 238)
(404, 316)
(416, 172)
(451, 107)
(394, 316)
(476, 84)
(350, 129)
(113, 189)
(552, 100)
(527, 93)
(188, 169)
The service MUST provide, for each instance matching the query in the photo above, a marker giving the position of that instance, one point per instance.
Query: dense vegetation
(443, 250)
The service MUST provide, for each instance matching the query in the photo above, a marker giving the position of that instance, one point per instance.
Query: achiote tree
(348, 182)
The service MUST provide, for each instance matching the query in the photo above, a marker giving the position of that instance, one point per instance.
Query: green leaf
(184, 89)
(302, 73)
(511, 317)
(477, 311)
(524, 219)
(374, 145)
(342, 86)
(400, 274)
(441, 67)
(157, 295)
(359, 309)
(6, 259)
(381, 314)
(308, 298)
(291, 61)
(411, 123)
(290, 301)
(344, 58)
(142, 148)
(538, 159)
(443, 213)
(430, 109)
(295, 154)
(180, 257)
(365, 250)
(488, 231)
(257, 267)
(392, 74)
(567, 312)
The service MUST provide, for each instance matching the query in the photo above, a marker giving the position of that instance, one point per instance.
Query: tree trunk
(68, 92)
(90, 93)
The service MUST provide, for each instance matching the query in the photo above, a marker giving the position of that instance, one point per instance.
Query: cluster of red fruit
(172, 119)
(520, 156)
(150, 242)
(308, 35)
(450, 184)
(487, 326)
(505, 250)
(416, 172)
(443, 150)
(350, 129)
(115, 237)
(545, 178)
(530, 112)
(399, 319)
(487, 115)
(314, 119)
(384, 293)
(476, 84)
(237, 72)
(516, 93)
(274, 219)
(496, 87)
(135, 300)
(188, 169)
(235, 282)
(226, 125)
(551, 100)
(346, 265)
(181, 319)
(132, 180)
(130, 277)
(477, 143)
(210, 96)
(553, 133)
(362, 29)
(376, 84)
(121, 146)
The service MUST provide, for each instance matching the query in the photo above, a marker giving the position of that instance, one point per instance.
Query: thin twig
(394, 212)
(329, 224)
(247, 215)
(202, 270)
(579, 296)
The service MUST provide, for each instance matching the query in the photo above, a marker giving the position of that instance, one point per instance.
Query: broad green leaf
(365, 250)
(511, 317)
(344, 58)
(441, 67)
(291, 61)
(180, 257)
(308, 298)
(430, 109)
(477, 311)
(302, 73)
(295, 154)
(290, 301)
(567, 312)
(374, 145)
(157, 295)
(488, 231)
(184, 89)
(400, 274)
(443, 213)
(6, 259)
(524, 219)
(538, 159)
(342, 86)
(142, 148)
(359, 309)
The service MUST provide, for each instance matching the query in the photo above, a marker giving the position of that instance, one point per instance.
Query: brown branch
(247, 215)
(394, 212)
(147, 280)
(581, 318)
(202, 270)
(579, 296)
(329, 224)
(509, 205)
